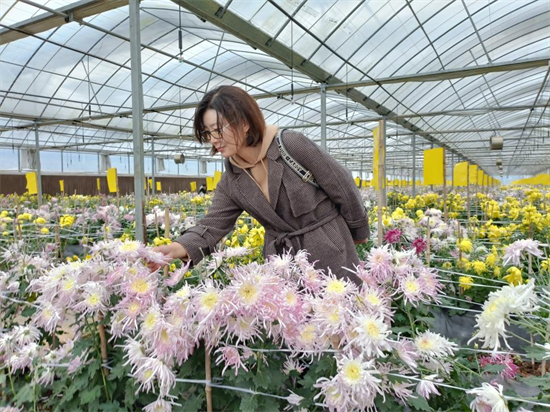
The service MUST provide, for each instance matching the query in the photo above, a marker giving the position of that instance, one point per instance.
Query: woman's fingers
(172, 251)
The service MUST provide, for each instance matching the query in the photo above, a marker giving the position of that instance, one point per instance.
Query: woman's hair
(235, 106)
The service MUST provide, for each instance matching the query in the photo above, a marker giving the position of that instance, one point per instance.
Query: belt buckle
(306, 178)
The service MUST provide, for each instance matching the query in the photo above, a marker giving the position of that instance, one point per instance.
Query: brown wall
(87, 184)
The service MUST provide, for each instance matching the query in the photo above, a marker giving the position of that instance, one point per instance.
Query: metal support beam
(414, 163)
(56, 18)
(38, 166)
(254, 36)
(154, 188)
(324, 116)
(137, 116)
(381, 178)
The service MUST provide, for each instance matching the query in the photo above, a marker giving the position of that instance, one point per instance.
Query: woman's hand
(173, 251)
(359, 242)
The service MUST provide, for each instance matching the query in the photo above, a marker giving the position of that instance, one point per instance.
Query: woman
(326, 220)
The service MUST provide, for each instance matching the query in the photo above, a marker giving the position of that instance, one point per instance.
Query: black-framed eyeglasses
(208, 135)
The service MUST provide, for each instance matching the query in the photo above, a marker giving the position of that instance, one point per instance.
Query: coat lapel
(275, 179)
(252, 194)
(257, 202)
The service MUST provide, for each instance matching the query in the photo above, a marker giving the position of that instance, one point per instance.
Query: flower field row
(101, 331)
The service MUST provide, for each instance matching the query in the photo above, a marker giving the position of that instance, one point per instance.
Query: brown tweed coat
(323, 221)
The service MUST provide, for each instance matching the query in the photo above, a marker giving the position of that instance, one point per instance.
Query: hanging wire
(180, 38)
(89, 92)
(346, 94)
(291, 62)
(12, 137)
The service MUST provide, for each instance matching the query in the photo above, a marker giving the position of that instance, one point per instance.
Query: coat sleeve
(201, 240)
(334, 179)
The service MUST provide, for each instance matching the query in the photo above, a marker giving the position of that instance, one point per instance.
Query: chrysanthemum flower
(492, 321)
(151, 370)
(337, 289)
(426, 386)
(25, 335)
(514, 252)
(465, 282)
(371, 335)
(160, 405)
(510, 368)
(514, 276)
(465, 246)
(379, 261)
(375, 302)
(392, 236)
(431, 345)
(95, 297)
(407, 352)
(48, 317)
(419, 245)
(231, 357)
(488, 398)
(411, 288)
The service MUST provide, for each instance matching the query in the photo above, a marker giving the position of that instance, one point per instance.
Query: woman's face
(225, 140)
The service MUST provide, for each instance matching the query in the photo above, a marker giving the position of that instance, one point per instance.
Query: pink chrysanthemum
(419, 245)
(379, 261)
(231, 357)
(393, 236)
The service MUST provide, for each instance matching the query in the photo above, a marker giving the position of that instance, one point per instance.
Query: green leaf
(426, 319)
(400, 329)
(494, 368)
(261, 379)
(130, 395)
(537, 381)
(269, 405)
(249, 403)
(119, 371)
(191, 404)
(90, 395)
(419, 403)
(25, 394)
(110, 407)
(28, 311)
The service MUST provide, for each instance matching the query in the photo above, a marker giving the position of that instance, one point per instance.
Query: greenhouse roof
(453, 73)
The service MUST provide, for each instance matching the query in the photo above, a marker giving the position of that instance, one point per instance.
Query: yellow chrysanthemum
(514, 276)
(465, 246)
(66, 221)
(465, 282)
(479, 267)
(158, 241)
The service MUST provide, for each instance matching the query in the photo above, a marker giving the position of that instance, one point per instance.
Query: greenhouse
(268, 205)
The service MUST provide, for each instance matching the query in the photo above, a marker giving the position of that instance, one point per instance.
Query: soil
(525, 369)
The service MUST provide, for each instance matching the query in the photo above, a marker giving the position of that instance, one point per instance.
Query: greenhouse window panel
(28, 18)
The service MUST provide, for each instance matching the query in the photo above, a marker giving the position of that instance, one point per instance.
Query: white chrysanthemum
(208, 300)
(488, 398)
(27, 334)
(234, 252)
(160, 405)
(494, 318)
(152, 369)
(371, 335)
(356, 372)
(427, 387)
(129, 248)
(431, 345)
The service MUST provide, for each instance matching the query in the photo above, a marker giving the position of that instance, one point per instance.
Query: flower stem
(11, 380)
(96, 344)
